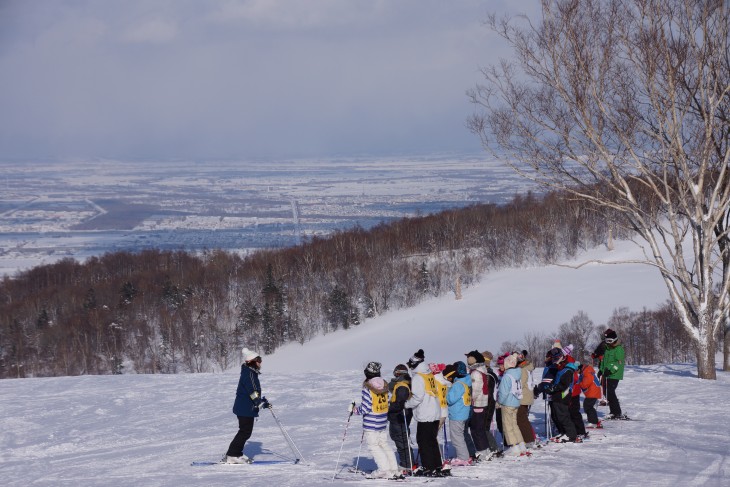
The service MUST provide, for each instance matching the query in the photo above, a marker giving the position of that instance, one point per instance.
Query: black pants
(428, 444)
(490, 415)
(575, 416)
(562, 419)
(613, 405)
(589, 406)
(478, 428)
(399, 434)
(245, 428)
(554, 418)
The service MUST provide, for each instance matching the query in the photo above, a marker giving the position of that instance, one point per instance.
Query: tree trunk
(706, 356)
(726, 347)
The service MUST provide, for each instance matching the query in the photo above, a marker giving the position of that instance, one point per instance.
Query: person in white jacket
(426, 412)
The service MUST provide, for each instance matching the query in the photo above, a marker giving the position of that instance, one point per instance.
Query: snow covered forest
(175, 311)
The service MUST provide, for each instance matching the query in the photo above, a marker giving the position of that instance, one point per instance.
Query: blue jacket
(458, 411)
(248, 393)
(504, 395)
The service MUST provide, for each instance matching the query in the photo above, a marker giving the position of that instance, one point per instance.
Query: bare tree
(625, 103)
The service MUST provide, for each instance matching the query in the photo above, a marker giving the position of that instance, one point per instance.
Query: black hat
(417, 358)
(475, 356)
(610, 336)
(556, 354)
(400, 369)
(373, 370)
(450, 372)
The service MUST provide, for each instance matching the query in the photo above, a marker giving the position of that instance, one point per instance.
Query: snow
(134, 430)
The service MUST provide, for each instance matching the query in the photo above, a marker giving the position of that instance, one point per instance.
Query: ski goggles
(610, 340)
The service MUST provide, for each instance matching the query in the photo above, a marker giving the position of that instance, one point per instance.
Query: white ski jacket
(425, 404)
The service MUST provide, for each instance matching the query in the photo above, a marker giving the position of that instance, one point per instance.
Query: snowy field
(137, 430)
(50, 211)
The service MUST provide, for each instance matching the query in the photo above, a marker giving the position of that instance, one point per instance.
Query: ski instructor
(246, 407)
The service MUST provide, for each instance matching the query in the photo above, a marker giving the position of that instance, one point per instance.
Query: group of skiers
(469, 394)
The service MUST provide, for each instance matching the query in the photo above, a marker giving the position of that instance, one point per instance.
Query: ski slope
(146, 430)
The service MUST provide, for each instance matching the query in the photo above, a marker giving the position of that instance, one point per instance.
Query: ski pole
(359, 450)
(298, 457)
(446, 444)
(347, 425)
(408, 441)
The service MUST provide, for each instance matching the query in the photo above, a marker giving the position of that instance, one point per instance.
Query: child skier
(591, 388)
(458, 398)
(560, 391)
(426, 411)
(399, 417)
(612, 368)
(482, 393)
(528, 398)
(246, 406)
(374, 410)
(509, 397)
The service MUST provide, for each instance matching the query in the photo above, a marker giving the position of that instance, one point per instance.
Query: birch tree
(625, 103)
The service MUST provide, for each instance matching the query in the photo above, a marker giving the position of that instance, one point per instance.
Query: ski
(255, 462)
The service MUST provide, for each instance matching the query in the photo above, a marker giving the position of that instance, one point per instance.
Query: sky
(242, 78)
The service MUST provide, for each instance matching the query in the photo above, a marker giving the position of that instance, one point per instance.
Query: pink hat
(436, 368)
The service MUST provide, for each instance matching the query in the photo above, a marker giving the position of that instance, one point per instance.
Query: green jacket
(613, 361)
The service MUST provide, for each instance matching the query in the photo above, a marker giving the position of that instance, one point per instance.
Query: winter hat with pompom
(416, 359)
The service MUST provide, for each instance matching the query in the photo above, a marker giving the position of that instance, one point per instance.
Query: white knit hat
(249, 355)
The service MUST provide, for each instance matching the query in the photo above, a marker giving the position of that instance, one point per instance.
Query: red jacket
(588, 383)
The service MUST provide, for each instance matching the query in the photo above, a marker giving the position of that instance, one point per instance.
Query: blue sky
(241, 78)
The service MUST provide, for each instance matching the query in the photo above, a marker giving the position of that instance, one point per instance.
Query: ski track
(146, 430)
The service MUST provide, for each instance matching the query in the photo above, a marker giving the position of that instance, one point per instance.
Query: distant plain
(77, 209)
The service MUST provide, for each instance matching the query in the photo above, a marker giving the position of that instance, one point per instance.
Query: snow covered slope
(503, 307)
(140, 430)
(136, 430)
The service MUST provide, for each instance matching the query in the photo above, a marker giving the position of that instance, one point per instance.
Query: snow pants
(523, 421)
(427, 433)
(613, 405)
(509, 426)
(589, 406)
(562, 419)
(245, 428)
(575, 416)
(382, 452)
(461, 439)
(399, 434)
(478, 428)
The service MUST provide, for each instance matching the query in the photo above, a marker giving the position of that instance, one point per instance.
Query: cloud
(178, 78)
(293, 15)
(156, 31)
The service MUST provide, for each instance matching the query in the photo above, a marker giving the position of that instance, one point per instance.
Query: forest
(176, 311)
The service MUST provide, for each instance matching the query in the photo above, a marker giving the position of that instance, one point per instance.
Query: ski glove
(265, 403)
(607, 373)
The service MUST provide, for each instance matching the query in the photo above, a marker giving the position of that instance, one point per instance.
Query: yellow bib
(395, 388)
(380, 402)
(442, 394)
(467, 394)
(429, 383)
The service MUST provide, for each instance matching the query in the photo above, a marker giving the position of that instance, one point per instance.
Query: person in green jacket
(612, 368)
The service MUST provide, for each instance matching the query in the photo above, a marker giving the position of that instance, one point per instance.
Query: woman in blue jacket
(246, 407)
